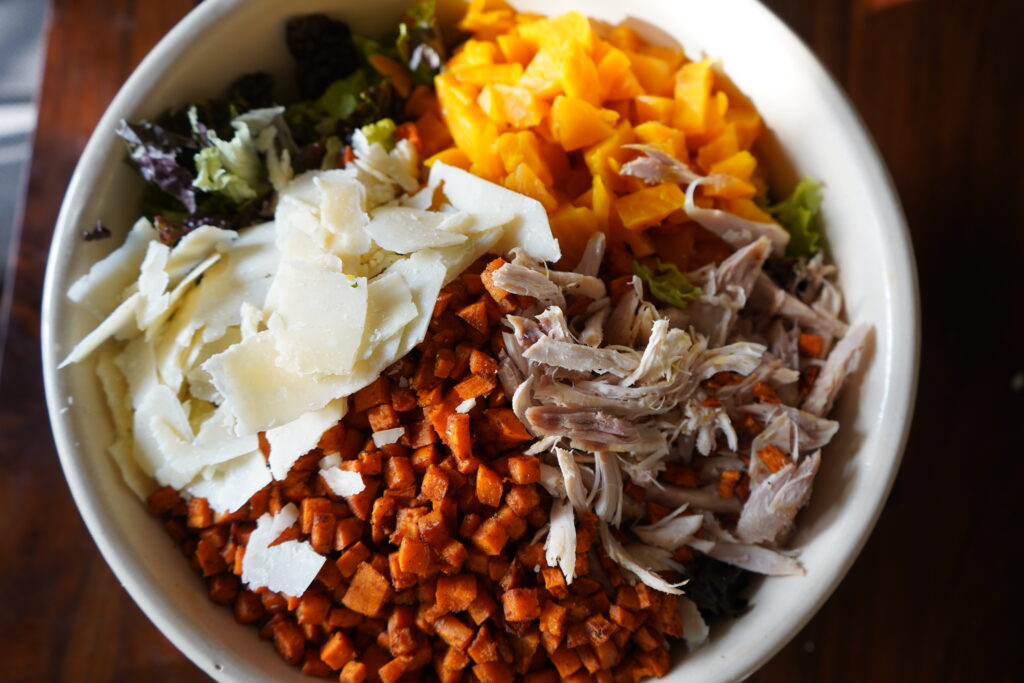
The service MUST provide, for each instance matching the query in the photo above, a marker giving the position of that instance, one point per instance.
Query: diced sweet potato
(200, 515)
(392, 671)
(553, 618)
(523, 498)
(372, 395)
(491, 537)
(493, 672)
(368, 592)
(313, 608)
(483, 607)
(524, 469)
(414, 556)
(475, 386)
(398, 473)
(457, 435)
(453, 631)
(566, 661)
(289, 641)
(435, 484)
(456, 593)
(338, 651)
(484, 647)
(353, 672)
(508, 426)
(521, 604)
(475, 315)
(488, 486)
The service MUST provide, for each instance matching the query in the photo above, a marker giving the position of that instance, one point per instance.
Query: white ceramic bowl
(815, 131)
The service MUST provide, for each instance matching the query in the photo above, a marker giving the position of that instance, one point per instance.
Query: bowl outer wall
(823, 137)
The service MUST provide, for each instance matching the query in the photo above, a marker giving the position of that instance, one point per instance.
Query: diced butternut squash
(525, 181)
(576, 123)
(578, 74)
(722, 147)
(617, 80)
(653, 132)
(747, 123)
(558, 31)
(507, 104)
(746, 208)
(543, 75)
(483, 74)
(452, 156)
(523, 147)
(610, 148)
(654, 75)
(485, 21)
(649, 206)
(475, 53)
(692, 94)
(573, 226)
(517, 49)
(654, 108)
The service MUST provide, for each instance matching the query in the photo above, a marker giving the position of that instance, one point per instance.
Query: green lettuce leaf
(667, 283)
(420, 43)
(798, 214)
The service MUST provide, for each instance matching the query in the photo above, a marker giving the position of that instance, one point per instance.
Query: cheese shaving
(287, 567)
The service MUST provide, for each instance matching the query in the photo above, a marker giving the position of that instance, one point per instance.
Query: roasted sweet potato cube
(488, 486)
(248, 608)
(456, 593)
(414, 556)
(392, 671)
(483, 607)
(343, 617)
(453, 631)
(484, 647)
(646, 639)
(353, 672)
(475, 315)
(321, 537)
(453, 553)
(493, 672)
(655, 662)
(338, 651)
(513, 523)
(482, 364)
(383, 417)
(553, 618)
(475, 386)
(223, 589)
(507, 425)
(362, 502)
(432, 528)
(368, 592)
(542, 676)
(372, 395)
(289, 640)
(210, 561)
(523, 498)
(487, 279)
(162, 501)
(435, 484)
(589, 659)
(457, 435)
(607, 653)
(521, 604)
(313, 608)
(398, 473)
(491, 537)
(421, 433)
(666, 618)
(402, 638)
(524, 469)
(454, 659)
(599, 628)
(347, 532)
(200, 515)
(554, 581)
(566, 661)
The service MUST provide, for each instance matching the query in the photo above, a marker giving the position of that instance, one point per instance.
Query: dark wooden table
(936, 594)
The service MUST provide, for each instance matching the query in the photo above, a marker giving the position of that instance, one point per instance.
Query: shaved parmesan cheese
(102, 287)
(343, 482)
(343, 212)
(261, 393)
(318, 318)
(176, 294)
(388, 436)
(288, 567)
(459, 257)
(153, 282)
(466, 406)
(159, 423)
(230, 485)
(329, 461)
(121, 319)
(122, 451)
(389, 308)
(196, 247)
(695, 629)
(530, 228)
(252, 318)
(404, 230)
(424, 273)
(290, 442)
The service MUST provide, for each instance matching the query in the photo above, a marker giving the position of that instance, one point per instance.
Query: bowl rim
(202, 18)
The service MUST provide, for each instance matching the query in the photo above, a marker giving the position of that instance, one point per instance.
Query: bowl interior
(812, 129)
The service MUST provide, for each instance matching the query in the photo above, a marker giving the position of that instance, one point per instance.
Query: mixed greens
(218, 162)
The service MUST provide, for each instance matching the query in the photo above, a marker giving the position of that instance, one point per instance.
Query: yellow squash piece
(513, 105)
(692, 94)
(649, 206)
(576, 123)
(524, 181)
(524, 147)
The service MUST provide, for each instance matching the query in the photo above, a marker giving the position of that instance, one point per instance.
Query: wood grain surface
(933, 597)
